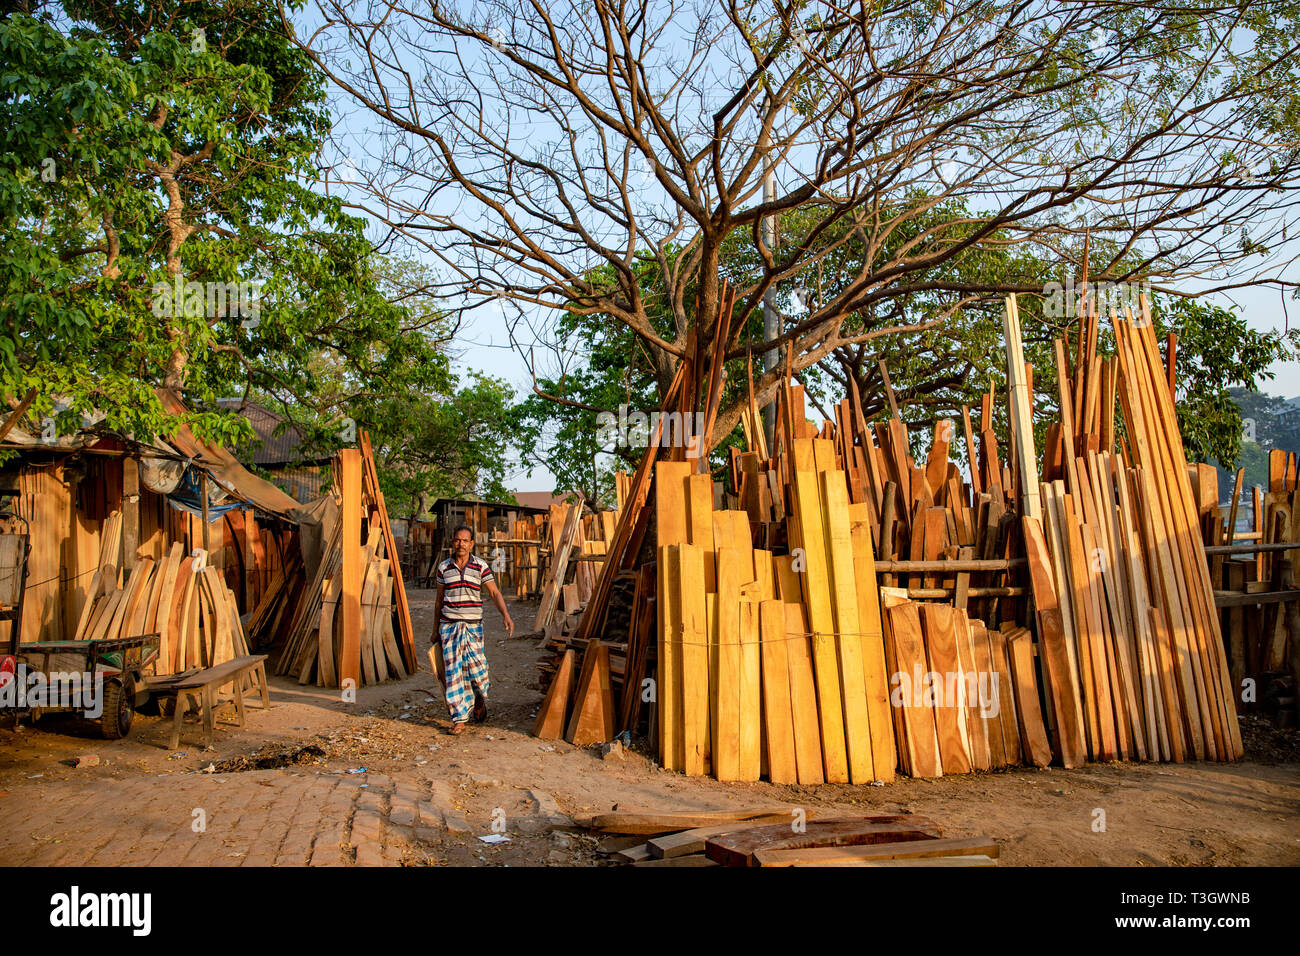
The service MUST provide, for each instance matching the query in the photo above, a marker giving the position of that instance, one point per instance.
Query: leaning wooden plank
(975, 692)
(93, 591)
(738, 847)
(875, 672)
(592, 720)
(668, 653)
(856, 855)
(1144, 435)
(1052, 644)
(551, 715)
(940, 627)
(990, 709)
(328, 612)
(646, 822)
(1006, 696)
(751, 693)
(778, 721)
(670, 514)
(1196, 567)
(1022, 404)
(693, 645)
(821, 617)
(726, 699)
(1032, 733)
(349, 663)
(917, 706)
(848, 626)
(699, 522)
(803, 694)
(405, 631)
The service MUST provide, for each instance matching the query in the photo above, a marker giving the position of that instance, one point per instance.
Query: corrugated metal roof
(279, 445)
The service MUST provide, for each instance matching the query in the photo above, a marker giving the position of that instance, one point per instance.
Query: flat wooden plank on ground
(640, 821)
(856, 855)
(686, 842)
(737, 848)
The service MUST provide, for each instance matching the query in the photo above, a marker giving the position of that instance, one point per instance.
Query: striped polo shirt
(462, 595)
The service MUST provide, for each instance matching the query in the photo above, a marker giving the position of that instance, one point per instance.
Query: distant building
(280, 451)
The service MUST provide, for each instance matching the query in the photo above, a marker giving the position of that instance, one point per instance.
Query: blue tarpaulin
(187, 497)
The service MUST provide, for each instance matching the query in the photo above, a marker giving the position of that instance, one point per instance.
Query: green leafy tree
(156, 168)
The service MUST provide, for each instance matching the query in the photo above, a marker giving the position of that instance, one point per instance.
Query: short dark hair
(466, 528)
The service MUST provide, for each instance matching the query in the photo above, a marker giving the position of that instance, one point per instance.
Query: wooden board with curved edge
(329, 606)
(920, 734)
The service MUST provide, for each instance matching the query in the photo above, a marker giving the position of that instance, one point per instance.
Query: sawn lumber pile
(352, 622)
(1055, 610)
(182, 599)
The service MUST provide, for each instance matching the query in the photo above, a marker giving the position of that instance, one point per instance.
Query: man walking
(458, 609)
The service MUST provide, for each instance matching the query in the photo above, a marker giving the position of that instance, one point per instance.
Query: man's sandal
(455, 729)
(480, 710)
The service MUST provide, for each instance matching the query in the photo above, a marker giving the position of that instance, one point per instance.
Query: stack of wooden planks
(1134, 656)
(1254, 575)
(1054, 608)
(182, 599)
(352, 622)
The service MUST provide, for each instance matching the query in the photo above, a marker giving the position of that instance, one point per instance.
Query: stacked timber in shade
(182, 599)
(351, 624)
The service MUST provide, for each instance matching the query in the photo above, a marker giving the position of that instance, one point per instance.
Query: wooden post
(349, 665)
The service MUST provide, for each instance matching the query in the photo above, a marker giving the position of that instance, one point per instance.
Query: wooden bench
(200, 688)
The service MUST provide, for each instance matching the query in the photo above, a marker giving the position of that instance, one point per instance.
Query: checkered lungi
(465, 666)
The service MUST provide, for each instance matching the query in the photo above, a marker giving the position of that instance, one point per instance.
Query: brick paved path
(256, 818)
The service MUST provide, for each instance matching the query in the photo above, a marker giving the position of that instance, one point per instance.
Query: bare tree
(542, 151)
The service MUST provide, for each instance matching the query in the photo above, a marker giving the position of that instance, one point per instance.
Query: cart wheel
(115, 721)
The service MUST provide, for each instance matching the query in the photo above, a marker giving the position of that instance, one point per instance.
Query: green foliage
(141, 144)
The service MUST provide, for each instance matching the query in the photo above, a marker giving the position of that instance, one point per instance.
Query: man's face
(463, 544)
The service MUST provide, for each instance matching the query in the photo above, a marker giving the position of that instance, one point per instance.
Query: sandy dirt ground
(1117, 814)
